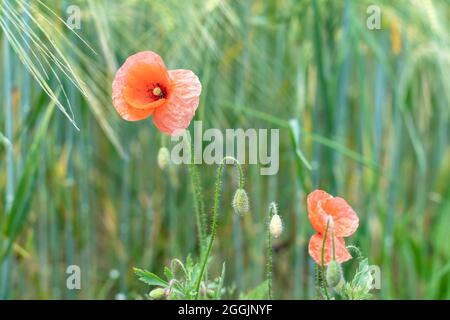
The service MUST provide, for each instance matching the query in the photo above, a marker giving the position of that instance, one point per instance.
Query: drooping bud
(333, 274)
(240, 201)
(157, 294)
(163, 158)
(275, 226)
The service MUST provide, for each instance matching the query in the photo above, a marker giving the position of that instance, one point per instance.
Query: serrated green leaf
(168, 273)
(150, 278)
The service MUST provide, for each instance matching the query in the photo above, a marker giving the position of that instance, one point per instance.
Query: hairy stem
(215, 209)
(196, 190)
(269, 252)
(197, 197)
(318, 293)
(324, 281)
(332, 240)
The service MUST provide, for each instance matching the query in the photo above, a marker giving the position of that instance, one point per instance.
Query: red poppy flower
(143, 87)
(342, 222)
(323, 206)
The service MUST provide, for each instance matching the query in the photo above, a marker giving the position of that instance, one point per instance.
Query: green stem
(332, 240)
(269, 252)
(324, 281)
(195, 185)
(214, 222)
(197, 195)
(318, 293)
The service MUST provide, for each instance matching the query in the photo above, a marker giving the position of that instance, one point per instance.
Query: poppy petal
(149, 57)
(345, 220)
(141, 79)
(125, 110)
(317, 216)
(182, 103)
(315, 249)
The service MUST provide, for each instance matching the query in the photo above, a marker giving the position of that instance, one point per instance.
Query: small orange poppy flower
(342, 222)
(143, 87)
(323, 206)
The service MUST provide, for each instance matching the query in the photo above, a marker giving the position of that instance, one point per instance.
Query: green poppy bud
(157, 294)
(333, 274)
(240, 201)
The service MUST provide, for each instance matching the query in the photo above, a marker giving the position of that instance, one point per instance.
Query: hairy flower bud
(240, 201)
(275, 226)
(163, 158)
(157, 294)
(334, 274)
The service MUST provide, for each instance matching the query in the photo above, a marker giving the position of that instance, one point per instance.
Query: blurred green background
(363, 114)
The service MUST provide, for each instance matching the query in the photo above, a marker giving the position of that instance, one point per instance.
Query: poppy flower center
(147, 86)
(157, 92)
